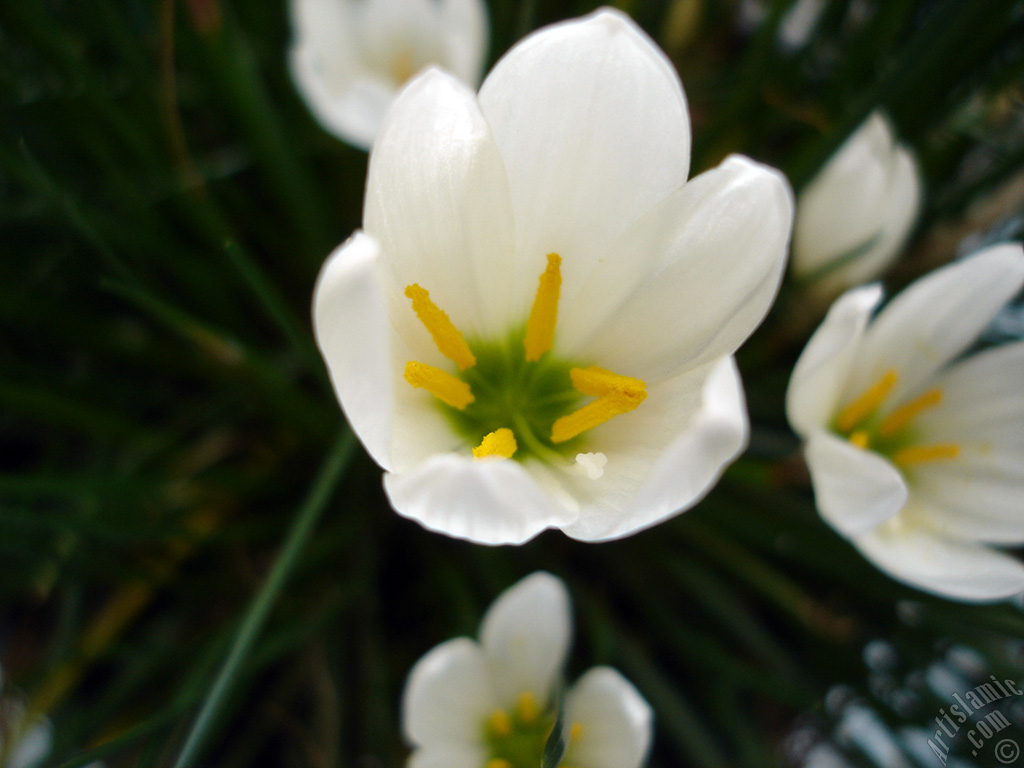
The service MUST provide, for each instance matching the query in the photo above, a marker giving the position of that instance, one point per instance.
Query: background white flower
(855, 215)
(350, 58)
(916, 457)
(552, 250)
(491, 703)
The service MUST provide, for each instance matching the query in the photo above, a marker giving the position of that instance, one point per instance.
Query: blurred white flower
(492, 703)
(855, 215)
(350, 58)
(915, 456)
(575, 303)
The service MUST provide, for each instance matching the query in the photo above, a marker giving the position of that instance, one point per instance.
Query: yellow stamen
(526, 707)
(615, 394)
(903, 415)
(868, 401)
(575, 732)
(600, 382)
(860, 438)
(919, 454)
(500, 442)
(441, 384)
(499, 723)
(446, 335)
(540, 328)
(498, 762)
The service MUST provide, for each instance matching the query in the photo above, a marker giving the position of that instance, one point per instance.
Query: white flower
(492, 703)
(565, 260)
(915, 456)
(350, 58)
(854, 216)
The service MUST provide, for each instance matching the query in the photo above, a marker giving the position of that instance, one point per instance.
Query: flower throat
(513, 398)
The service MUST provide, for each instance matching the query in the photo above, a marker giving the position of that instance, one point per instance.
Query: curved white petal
(437, 201)
(946, 567)
(981, 395)
(970, 506)
(354, 335)
(592, 123)
(351, 111)
(448, 756)
(856, 213)
(526, 635)
(902, 201)
(448, 697)
(489, 501)
(664, 456)
(614, 719)
(820, 375)
(690, 281)
(936, 318)
(854, 489)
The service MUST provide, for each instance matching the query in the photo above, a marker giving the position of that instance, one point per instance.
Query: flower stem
(259, 608)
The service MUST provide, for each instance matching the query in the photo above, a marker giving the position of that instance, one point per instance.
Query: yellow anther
(575, 732)
(527, 707)
(441, 384)
(860, 438)
(500, 442)
(615, 394)
(865, 405)
(920, 454)
(446, 335)
(599, 382)
(540, 327)
(499, 723)
(498, 762)
(903, 415)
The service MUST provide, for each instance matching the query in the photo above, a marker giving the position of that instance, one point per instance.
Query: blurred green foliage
(184, 517)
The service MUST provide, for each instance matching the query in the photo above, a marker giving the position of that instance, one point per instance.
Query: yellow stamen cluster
(614, 394)
(852, 417)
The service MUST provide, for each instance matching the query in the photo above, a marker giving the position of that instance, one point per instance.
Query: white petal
(448, 757)
(330, 75)
(690, 281)
(663, 457)
(464, 25)
(854, 489)
(592, 123)
(980, 396)
(902, 202)
(489, 501)
(437, 201)
(946, 567)
(615, 721)
(936, 318)
(820, 375)
(526, 635)
(970, 506)
(354, 336)
(448, 697)
(859, 207)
